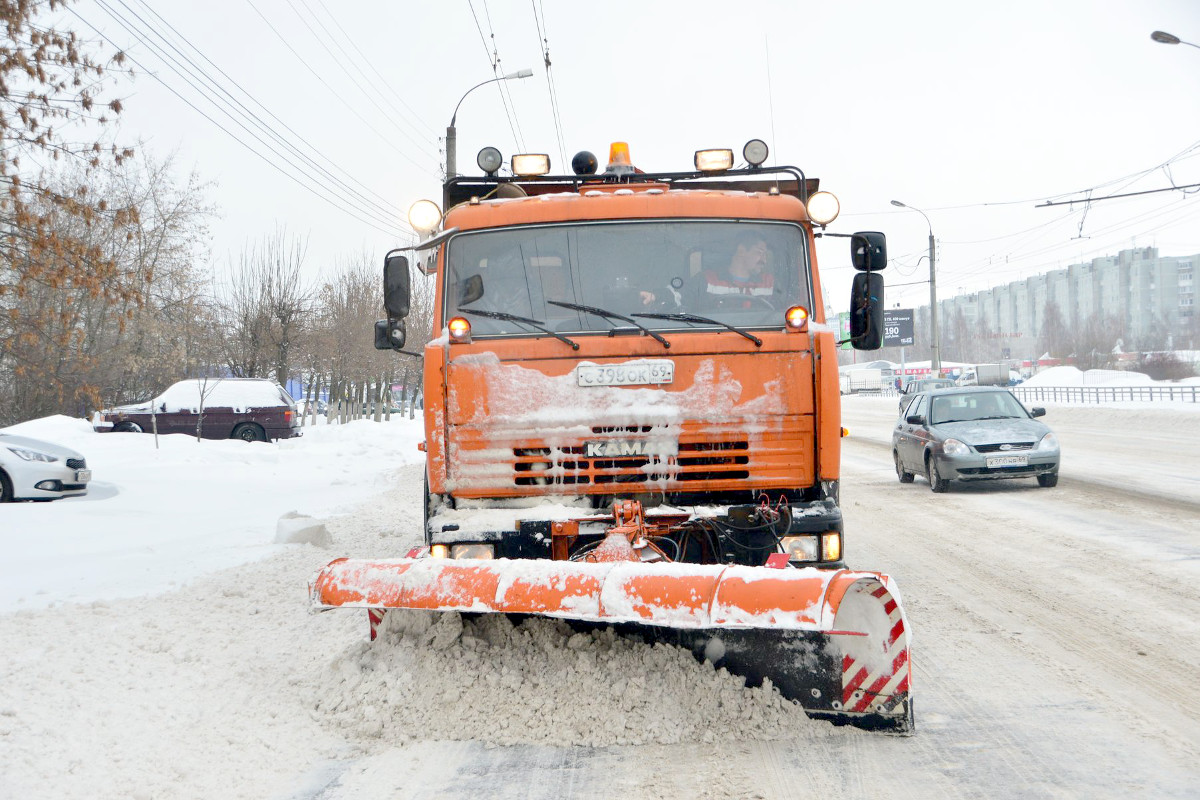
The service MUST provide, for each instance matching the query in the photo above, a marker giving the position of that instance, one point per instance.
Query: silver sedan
(973, 434)
(32, 469)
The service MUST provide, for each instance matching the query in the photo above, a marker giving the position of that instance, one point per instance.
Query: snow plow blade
(834, 641)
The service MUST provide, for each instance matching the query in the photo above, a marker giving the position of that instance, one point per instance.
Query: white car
(31, 469)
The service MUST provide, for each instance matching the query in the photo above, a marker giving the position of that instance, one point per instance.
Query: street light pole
(935, 361)
(452, 134)
(1162, 37)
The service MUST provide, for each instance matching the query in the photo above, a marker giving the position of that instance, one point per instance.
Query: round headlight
(755, 152)
(823, 208)
(424, 216)
(489, 160)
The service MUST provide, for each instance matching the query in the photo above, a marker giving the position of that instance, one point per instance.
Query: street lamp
(451, 136)
(1162, 37)
(935, 362)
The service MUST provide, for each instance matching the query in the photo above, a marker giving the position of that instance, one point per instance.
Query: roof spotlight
(489, 160)
(755, 152)
(424, 216)
(823, 208)
(530, 164)
(714, 160)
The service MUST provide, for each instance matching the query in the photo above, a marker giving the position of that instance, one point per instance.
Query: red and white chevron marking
(865, 689)
(375, 615)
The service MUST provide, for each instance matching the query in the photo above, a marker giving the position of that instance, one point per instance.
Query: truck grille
(696, 461)
(77, 463)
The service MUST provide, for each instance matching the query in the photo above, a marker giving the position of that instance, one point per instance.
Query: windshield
(742, 274)
(975, 406)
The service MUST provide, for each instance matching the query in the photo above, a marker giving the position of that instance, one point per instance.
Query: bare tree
(264, 306)
(1055, 337)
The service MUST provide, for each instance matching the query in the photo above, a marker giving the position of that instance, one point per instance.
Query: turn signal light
(460, 329)
(831, 546)
(439, 551)
(796, 318)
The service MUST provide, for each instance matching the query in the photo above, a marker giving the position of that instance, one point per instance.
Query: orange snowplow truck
(632, 420)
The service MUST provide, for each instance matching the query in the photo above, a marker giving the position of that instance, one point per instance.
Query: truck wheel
(127, 427)
(249, 432)
(936, 481)
(905, 477)
(1048, 480)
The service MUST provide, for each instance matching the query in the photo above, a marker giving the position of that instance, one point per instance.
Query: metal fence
(1107, 394)
(1087, 394)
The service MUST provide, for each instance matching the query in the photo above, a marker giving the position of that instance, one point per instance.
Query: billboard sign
(898, 327)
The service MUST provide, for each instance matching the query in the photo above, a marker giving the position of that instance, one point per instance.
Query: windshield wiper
(600, 312)
(514, 318)
(706, 320)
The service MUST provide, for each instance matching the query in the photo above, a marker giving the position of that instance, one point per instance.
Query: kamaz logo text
(617, 448)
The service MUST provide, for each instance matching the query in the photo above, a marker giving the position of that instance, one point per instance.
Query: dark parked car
(973, 434)
(250, 409)
(918, 385)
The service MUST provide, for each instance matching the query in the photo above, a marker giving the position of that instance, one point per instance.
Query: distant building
(1152, 295)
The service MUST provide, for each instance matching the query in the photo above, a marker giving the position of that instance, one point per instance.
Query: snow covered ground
(156, 641)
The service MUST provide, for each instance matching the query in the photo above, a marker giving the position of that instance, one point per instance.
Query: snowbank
(155, 519)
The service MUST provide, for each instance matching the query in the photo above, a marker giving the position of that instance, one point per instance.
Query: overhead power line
(269, 129)
(544, 44)
(493, 56)
(303, 181)
(424, 168)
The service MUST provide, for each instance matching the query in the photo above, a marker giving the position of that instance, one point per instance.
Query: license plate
(83, 475)
(1008, 461)
(636, 373)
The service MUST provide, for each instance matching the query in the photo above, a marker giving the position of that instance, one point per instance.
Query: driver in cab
(745, 277)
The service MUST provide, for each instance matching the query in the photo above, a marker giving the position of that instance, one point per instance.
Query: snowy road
(1057, 633)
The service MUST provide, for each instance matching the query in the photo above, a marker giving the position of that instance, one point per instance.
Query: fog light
(755, 152)
(831, 546)
(801, 548)
(49, 486)
(439, 551)
(489, 160)
(473, 550)
(529, 164)
(714, 160)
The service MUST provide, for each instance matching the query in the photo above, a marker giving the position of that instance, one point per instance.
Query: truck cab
(630, 335)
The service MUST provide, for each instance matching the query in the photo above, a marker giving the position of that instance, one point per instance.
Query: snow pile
(1072, 376)
(154, 519)
(437, 676)
(293, 528)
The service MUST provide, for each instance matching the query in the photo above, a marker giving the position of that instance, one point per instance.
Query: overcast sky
(974, 113)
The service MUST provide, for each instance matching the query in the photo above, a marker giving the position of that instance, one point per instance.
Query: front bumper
(50, 483)
(974, 466)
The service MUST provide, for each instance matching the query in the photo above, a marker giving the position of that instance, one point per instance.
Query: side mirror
(389, 334)
(396, 290)
(915, 419)
(1037, 412)
(866, 311)
(868, 251)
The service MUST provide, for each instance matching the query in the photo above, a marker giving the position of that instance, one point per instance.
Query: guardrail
(1107, 394)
